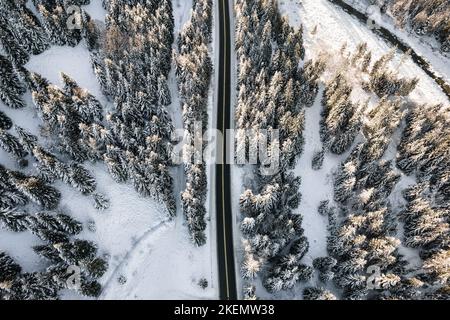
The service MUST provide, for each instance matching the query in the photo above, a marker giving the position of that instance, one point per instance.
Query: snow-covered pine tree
(80, 253)
(24, 26)
(12, 145)
(10, 197)
(341, 118)
(9, 269)
(13, 220)
(35, 190)
(269, 51)
(313, 293)
(5, 121)
(63, 26)
(16, 53)
(308, 78)
(317, 159)
(87, 106)
(384, 82)
(193, 70)
(10, 87)
(249, 292)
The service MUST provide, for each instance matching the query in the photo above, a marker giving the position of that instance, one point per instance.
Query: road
(224, 217)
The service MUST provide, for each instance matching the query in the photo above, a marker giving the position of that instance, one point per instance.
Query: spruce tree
(16, 53)
(35, 190)
(312, 293)
(13, 220)
(12, 145)
(5, 121)
(9, 270)
(10, 87)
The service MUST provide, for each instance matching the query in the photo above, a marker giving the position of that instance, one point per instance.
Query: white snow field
(153, 257)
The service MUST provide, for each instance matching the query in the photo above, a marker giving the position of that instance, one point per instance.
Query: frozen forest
(116, 183)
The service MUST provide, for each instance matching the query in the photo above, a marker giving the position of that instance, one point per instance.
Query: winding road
(224, 217)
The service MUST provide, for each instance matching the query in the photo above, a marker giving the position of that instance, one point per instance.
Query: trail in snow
(160, 266)
(116, 273)
(316, 184)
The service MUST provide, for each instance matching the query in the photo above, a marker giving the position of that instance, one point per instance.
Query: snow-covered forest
(95, 204)
(383, 224)
(425, 18)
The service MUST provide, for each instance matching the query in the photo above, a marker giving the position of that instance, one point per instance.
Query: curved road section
(225, 248)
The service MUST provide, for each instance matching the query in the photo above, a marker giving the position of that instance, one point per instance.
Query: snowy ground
(154, 255)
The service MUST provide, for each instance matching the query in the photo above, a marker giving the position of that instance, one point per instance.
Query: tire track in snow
(129, 255)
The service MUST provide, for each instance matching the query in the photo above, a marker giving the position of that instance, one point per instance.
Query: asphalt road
(224, 217)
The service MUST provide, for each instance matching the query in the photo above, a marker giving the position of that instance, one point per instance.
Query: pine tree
(250, 292)
(384, 82)
(115, 161)
(81, 179)
(35, 190)
(317, 160)
(35, 286)
(41, 227)
(10, 197)
(324, 264)
(55, 19)
(100, 201)
(312, 293)
(308, 80)
(10, 86)
(14, 50)
(51, 167)
(87, 106)
(11, 144)
(5, 122)
(27, 140)
(250, 266)
(83, 254)
(13, 220)
(341, 118)
(57, 222)
(163, 91)
(300, 247)
(9, 270)
(24, 26)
